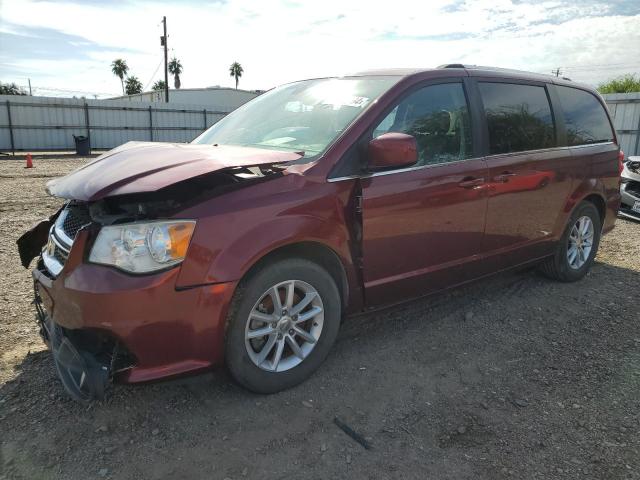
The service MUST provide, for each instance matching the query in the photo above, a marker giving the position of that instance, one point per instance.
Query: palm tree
(133, 85)
(235, 70)
(175, 69)
(158, 86)
(11, 89)
(120, 68)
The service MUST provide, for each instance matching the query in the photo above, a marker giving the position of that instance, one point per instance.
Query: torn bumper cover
(31, 242)
(84, 375)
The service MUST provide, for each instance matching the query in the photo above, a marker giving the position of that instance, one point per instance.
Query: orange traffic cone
(29, 161)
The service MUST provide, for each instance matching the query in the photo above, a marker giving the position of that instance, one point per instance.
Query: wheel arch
(316, 252)
(587, 191)
(599, 203)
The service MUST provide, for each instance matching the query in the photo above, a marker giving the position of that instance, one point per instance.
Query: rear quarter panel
(602, 178)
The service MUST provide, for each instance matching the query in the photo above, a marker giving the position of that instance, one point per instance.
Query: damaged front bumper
(85, 375)
(105, 325)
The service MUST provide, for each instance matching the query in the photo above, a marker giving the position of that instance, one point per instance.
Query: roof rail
(452, 65)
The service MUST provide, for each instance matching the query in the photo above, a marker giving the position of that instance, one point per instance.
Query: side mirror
(393, 150)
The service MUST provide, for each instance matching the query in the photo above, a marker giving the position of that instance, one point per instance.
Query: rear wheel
(578, 246)
(282, 324)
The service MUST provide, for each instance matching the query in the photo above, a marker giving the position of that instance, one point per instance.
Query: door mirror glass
(393, 150)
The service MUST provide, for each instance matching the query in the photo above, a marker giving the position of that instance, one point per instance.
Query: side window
(386, 124)
(438, 117)
(518, 116)
(585, 118)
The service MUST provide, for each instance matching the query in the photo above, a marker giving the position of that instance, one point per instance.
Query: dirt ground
(512, 377)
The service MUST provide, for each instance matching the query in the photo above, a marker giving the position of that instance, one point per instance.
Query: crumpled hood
(148, 166)
(631, 169)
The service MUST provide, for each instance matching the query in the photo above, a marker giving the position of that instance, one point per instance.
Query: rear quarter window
(518, 117)
(585, 118)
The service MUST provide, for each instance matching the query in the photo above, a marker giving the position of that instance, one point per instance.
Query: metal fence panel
(49, 124)
(625, 111)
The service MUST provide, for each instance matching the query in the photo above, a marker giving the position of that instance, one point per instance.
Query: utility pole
(163, 41)
(556, 71)
(30, 94)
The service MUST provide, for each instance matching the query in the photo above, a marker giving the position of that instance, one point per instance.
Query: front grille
(62, 234)
(76, 216)
(60, 255)
(633, 188)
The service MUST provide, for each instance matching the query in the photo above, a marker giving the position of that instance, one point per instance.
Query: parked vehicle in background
(316, 200)
(630, 189)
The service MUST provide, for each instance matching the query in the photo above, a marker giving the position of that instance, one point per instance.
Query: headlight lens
(143, 247)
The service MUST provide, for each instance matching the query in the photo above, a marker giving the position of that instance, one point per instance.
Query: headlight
(143, 247)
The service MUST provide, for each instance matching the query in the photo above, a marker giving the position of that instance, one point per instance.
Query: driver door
(423, 225)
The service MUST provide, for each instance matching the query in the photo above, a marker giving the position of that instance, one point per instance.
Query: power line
(63, 90)
(602, 65)
(594, 67)
(154, 74)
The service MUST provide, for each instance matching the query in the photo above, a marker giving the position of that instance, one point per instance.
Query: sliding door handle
(503, 177)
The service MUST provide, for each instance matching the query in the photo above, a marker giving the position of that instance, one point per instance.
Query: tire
(255, 297)
(559, 267)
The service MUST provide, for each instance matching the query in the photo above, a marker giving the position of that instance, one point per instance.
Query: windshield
(302, 117)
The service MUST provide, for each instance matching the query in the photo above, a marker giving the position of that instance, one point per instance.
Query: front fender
(227, 244)
(278, 232)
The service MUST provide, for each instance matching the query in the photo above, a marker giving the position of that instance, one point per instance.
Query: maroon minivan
(316, 200)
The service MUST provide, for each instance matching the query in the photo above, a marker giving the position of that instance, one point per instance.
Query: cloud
(44, 43)
(278, 41)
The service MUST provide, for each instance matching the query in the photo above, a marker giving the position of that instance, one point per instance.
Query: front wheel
(578, 246)
(282, 324)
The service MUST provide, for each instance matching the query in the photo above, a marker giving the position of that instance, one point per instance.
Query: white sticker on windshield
(359, 102)
(355, 102)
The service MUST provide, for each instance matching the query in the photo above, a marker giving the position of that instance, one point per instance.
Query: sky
(66, 47)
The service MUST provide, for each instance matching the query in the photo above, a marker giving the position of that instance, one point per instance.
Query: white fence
(625, 110)
(49, 124)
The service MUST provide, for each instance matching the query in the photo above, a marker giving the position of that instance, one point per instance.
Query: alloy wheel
(284, 326)
(580, 242)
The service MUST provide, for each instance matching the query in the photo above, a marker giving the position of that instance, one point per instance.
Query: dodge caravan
(316, 200)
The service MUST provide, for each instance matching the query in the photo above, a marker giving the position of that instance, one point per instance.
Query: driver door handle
(471, 182)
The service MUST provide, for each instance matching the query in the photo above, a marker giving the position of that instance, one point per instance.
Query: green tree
(158, 86)
(236, 70)
(120, 69)
(11, 89)
(623, 84)
(133, 85)
(175, 69)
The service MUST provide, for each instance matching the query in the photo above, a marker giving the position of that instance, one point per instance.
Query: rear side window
(518, 116)
(584, 116)
(438, 117)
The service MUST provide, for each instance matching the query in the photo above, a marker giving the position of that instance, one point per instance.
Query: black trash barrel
(83, 147)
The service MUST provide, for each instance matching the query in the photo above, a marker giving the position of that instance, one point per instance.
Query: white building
(221, 98)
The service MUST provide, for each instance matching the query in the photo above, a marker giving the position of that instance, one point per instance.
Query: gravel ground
(512, 377)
